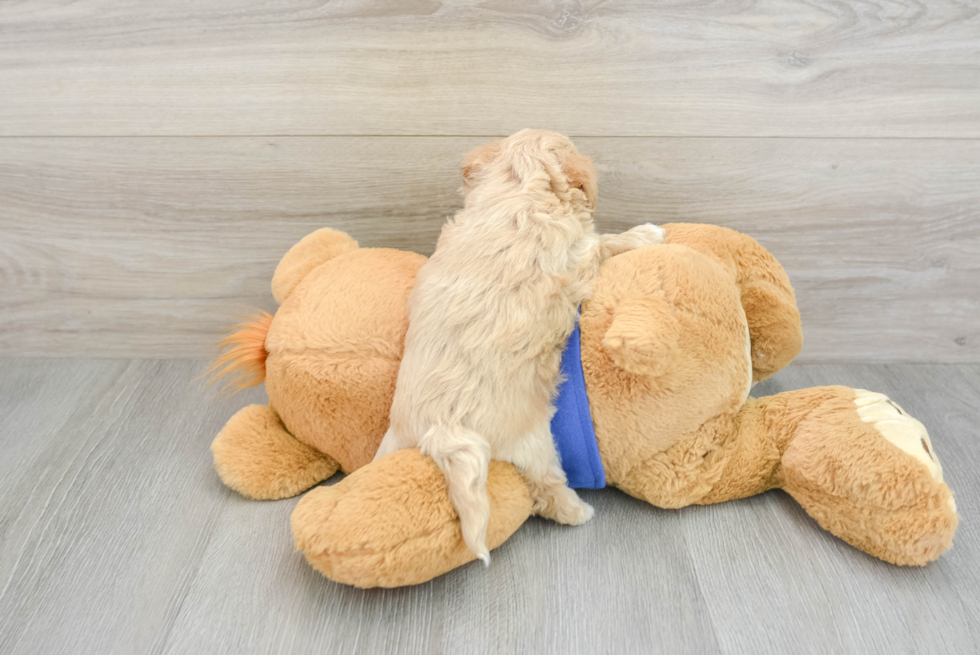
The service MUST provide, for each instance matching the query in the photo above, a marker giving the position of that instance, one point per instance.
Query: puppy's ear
(581, 175)
(476, 161)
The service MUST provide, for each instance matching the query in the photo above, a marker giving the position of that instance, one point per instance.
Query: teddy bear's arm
(311, 251)
(256, 456)
(775, 329)
(774, 326)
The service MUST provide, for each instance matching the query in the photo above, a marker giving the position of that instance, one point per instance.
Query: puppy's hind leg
(390, 443)
(463, 456)
(537, 460)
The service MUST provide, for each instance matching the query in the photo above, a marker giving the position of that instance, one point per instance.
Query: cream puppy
(488, 319)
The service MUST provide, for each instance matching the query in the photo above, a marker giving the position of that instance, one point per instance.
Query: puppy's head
(531, 156)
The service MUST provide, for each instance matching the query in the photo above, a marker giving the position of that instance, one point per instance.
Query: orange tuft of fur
(244, 354)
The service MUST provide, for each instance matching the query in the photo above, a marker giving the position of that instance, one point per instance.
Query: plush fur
(671, 339)
(257, 457)
(398, 516)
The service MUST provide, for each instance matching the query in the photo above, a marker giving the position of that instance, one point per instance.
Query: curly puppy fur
(488, 318)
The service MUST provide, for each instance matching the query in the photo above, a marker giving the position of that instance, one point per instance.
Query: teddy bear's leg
(868, 473)
(256, 456)
(856, 462)
(391, 523)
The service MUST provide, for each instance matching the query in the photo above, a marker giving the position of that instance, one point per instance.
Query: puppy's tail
(463, 456)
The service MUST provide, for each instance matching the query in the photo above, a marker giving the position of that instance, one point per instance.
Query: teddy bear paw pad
(898, 428)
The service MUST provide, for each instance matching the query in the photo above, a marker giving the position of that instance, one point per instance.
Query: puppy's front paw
(648, 234)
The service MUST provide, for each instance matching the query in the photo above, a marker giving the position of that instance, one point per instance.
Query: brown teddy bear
(672, 340)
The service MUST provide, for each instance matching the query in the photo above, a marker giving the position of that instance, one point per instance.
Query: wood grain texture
(751, 68)
(151, 247)
(118, 537)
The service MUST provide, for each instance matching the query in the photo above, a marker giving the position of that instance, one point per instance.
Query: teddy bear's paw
(899, 428)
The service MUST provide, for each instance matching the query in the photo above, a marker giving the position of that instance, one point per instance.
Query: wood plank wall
(156, 159)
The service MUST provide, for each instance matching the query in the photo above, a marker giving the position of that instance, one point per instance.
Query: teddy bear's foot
(900, 429)
(391, 523)
(867, 471)
(256, 456)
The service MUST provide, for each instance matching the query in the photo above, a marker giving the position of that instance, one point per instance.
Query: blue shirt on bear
(571, 425)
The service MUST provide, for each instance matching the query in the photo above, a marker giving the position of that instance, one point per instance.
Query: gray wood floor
(116, 536)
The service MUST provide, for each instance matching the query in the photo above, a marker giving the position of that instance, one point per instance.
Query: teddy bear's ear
(312, 250)
(642, 338)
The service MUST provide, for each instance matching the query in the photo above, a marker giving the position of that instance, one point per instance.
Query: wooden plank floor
(116, 536)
